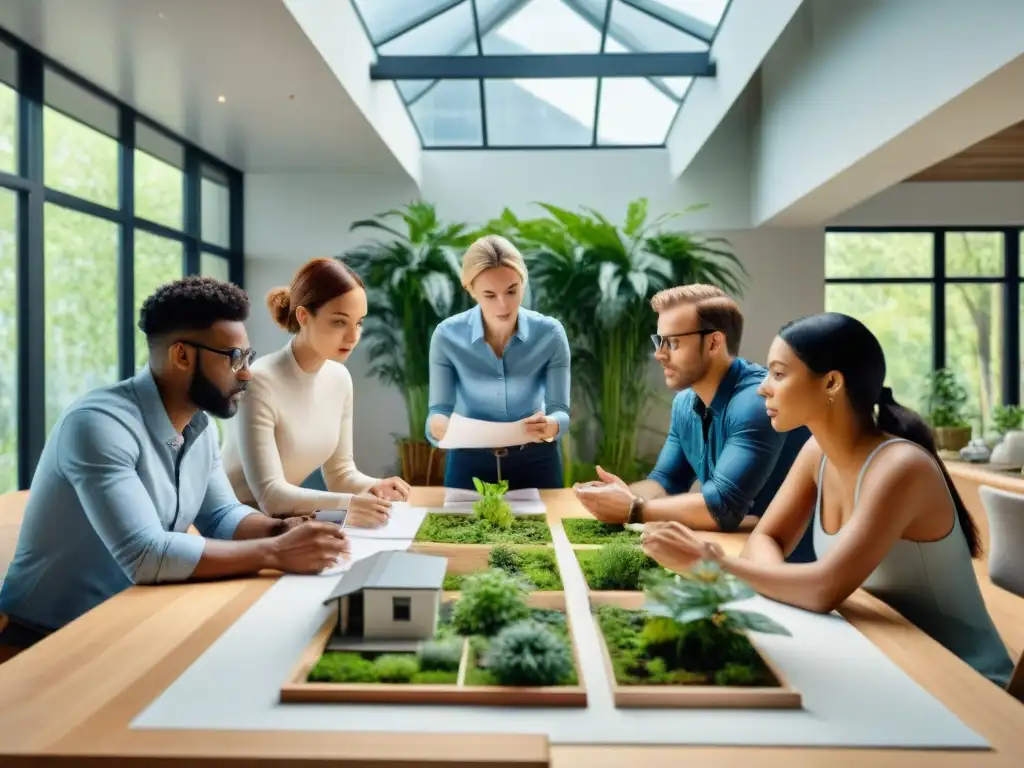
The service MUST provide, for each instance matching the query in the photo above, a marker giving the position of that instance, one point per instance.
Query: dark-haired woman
(296, 416)
(884, 513)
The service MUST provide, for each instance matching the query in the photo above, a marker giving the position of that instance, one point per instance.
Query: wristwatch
(636, 511)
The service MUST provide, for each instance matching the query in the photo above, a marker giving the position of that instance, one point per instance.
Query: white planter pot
(1010, 449)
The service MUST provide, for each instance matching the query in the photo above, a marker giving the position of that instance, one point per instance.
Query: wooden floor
(74, 695)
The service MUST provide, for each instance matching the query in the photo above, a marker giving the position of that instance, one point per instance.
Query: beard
(684, 378)
(205, 395)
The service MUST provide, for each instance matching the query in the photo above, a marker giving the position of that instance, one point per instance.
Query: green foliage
(435, 677)
(492, 508)
(412, 281)
(464, 529)
(1007, 417)
(395, 668)
(528, 653)
(343, 667)
(535, 568)
(586, 530)
(947, 400)
(598, 279)
(443, 656)
(618, 565)
(504, 558)
(490, 600)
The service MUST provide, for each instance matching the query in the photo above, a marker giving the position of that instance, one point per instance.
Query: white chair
(1005, 512)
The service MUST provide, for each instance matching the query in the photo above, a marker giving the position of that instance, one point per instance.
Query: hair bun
(280, 307)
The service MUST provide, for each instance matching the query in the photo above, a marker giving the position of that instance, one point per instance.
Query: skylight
(541, 73)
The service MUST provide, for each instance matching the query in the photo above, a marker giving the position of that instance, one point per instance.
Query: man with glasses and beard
(720, 433)
(128, 468)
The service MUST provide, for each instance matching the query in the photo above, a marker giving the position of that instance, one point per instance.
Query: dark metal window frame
(33, 195)
(600, 65)
(1010, 281)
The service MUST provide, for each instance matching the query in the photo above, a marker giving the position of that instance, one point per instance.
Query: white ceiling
(172, 59)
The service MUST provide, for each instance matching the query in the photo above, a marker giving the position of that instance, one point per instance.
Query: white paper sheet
(464, 432)
(404, 522)
(360, 548)
(853, 694)
(524, 501)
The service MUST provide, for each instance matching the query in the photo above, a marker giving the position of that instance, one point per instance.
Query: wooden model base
(691, 696)
(298, 689)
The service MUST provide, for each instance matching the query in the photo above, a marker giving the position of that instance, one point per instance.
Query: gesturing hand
(676, 547)
(367, 511)
(541, 427)
(392, 489)
(608, 503)
(308, 548)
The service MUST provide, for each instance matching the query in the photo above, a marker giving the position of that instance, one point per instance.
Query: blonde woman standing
(500, 362)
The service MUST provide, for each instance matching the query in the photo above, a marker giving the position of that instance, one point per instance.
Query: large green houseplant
(412, 282)
(598, 278)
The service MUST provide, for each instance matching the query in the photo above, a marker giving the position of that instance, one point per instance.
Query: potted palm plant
(598, 278)
(412, 282)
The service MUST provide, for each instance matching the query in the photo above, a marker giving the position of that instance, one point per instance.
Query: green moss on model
(586, 530)
(618, 565)
(538, 567)
(465, 529)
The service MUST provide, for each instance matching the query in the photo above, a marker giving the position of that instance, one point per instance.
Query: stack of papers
(524, 501)
(405, 521)
(364, 547)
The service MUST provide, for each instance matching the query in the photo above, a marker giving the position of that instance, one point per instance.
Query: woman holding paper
(504, 364)
(296, 416)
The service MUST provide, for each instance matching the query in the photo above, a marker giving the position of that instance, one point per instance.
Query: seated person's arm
(886, 508)
(261, 462)
(558, 383)
(672, 473)
(783, 524)
(97, 454)
(340, 472)
(745, 463)
(441, 392)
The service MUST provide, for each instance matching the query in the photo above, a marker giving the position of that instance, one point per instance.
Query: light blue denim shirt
(466, 377)
(105, 509)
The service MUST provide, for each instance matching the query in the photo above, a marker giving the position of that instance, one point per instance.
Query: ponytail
(903, 422)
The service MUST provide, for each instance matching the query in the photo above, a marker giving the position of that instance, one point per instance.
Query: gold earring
(831, 399)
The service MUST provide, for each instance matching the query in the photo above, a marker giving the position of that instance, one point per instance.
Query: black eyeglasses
(240, 358)
(670, 338)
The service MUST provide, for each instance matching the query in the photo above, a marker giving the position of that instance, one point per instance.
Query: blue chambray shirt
(104, 510)
(467, 377)
(731, 448)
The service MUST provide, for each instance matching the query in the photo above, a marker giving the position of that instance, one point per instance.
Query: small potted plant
(491, 507)
(1010, 448)
(946, 400)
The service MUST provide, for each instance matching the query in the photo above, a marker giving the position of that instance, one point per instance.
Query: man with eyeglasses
(129, 468)
(720, 433)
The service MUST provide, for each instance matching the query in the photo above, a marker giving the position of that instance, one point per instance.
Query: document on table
(524, 501)
(464, 432)
(360, 548)
(404, 522)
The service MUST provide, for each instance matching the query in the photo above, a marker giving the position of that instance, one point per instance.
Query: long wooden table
(71, 698)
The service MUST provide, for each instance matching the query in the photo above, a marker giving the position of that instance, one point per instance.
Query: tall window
(935, 298)
(98, 208)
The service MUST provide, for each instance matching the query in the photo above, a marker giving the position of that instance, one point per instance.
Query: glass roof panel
(543, 26)
(540, 112)
(448, 114)
(708, 11)
(633, 111)
(639, 31)
(450, 33)
(384, 18)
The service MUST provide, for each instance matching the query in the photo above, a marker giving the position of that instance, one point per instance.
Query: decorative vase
(1010, 450)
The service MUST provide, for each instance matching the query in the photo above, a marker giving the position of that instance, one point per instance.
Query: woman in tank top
(885, 513)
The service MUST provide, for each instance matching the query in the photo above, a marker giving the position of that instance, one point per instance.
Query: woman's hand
(541, 427)
(392, 489)
(676, 547)
(438, 426)
(367, 511)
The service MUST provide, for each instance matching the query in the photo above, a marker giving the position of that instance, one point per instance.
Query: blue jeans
(536, 465)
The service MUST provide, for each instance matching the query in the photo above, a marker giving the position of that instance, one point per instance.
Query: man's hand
(392, 489)
(541, 427)
(367, 512)
(285, 525)
(676, 547)
(308, 548)
(608, 503)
